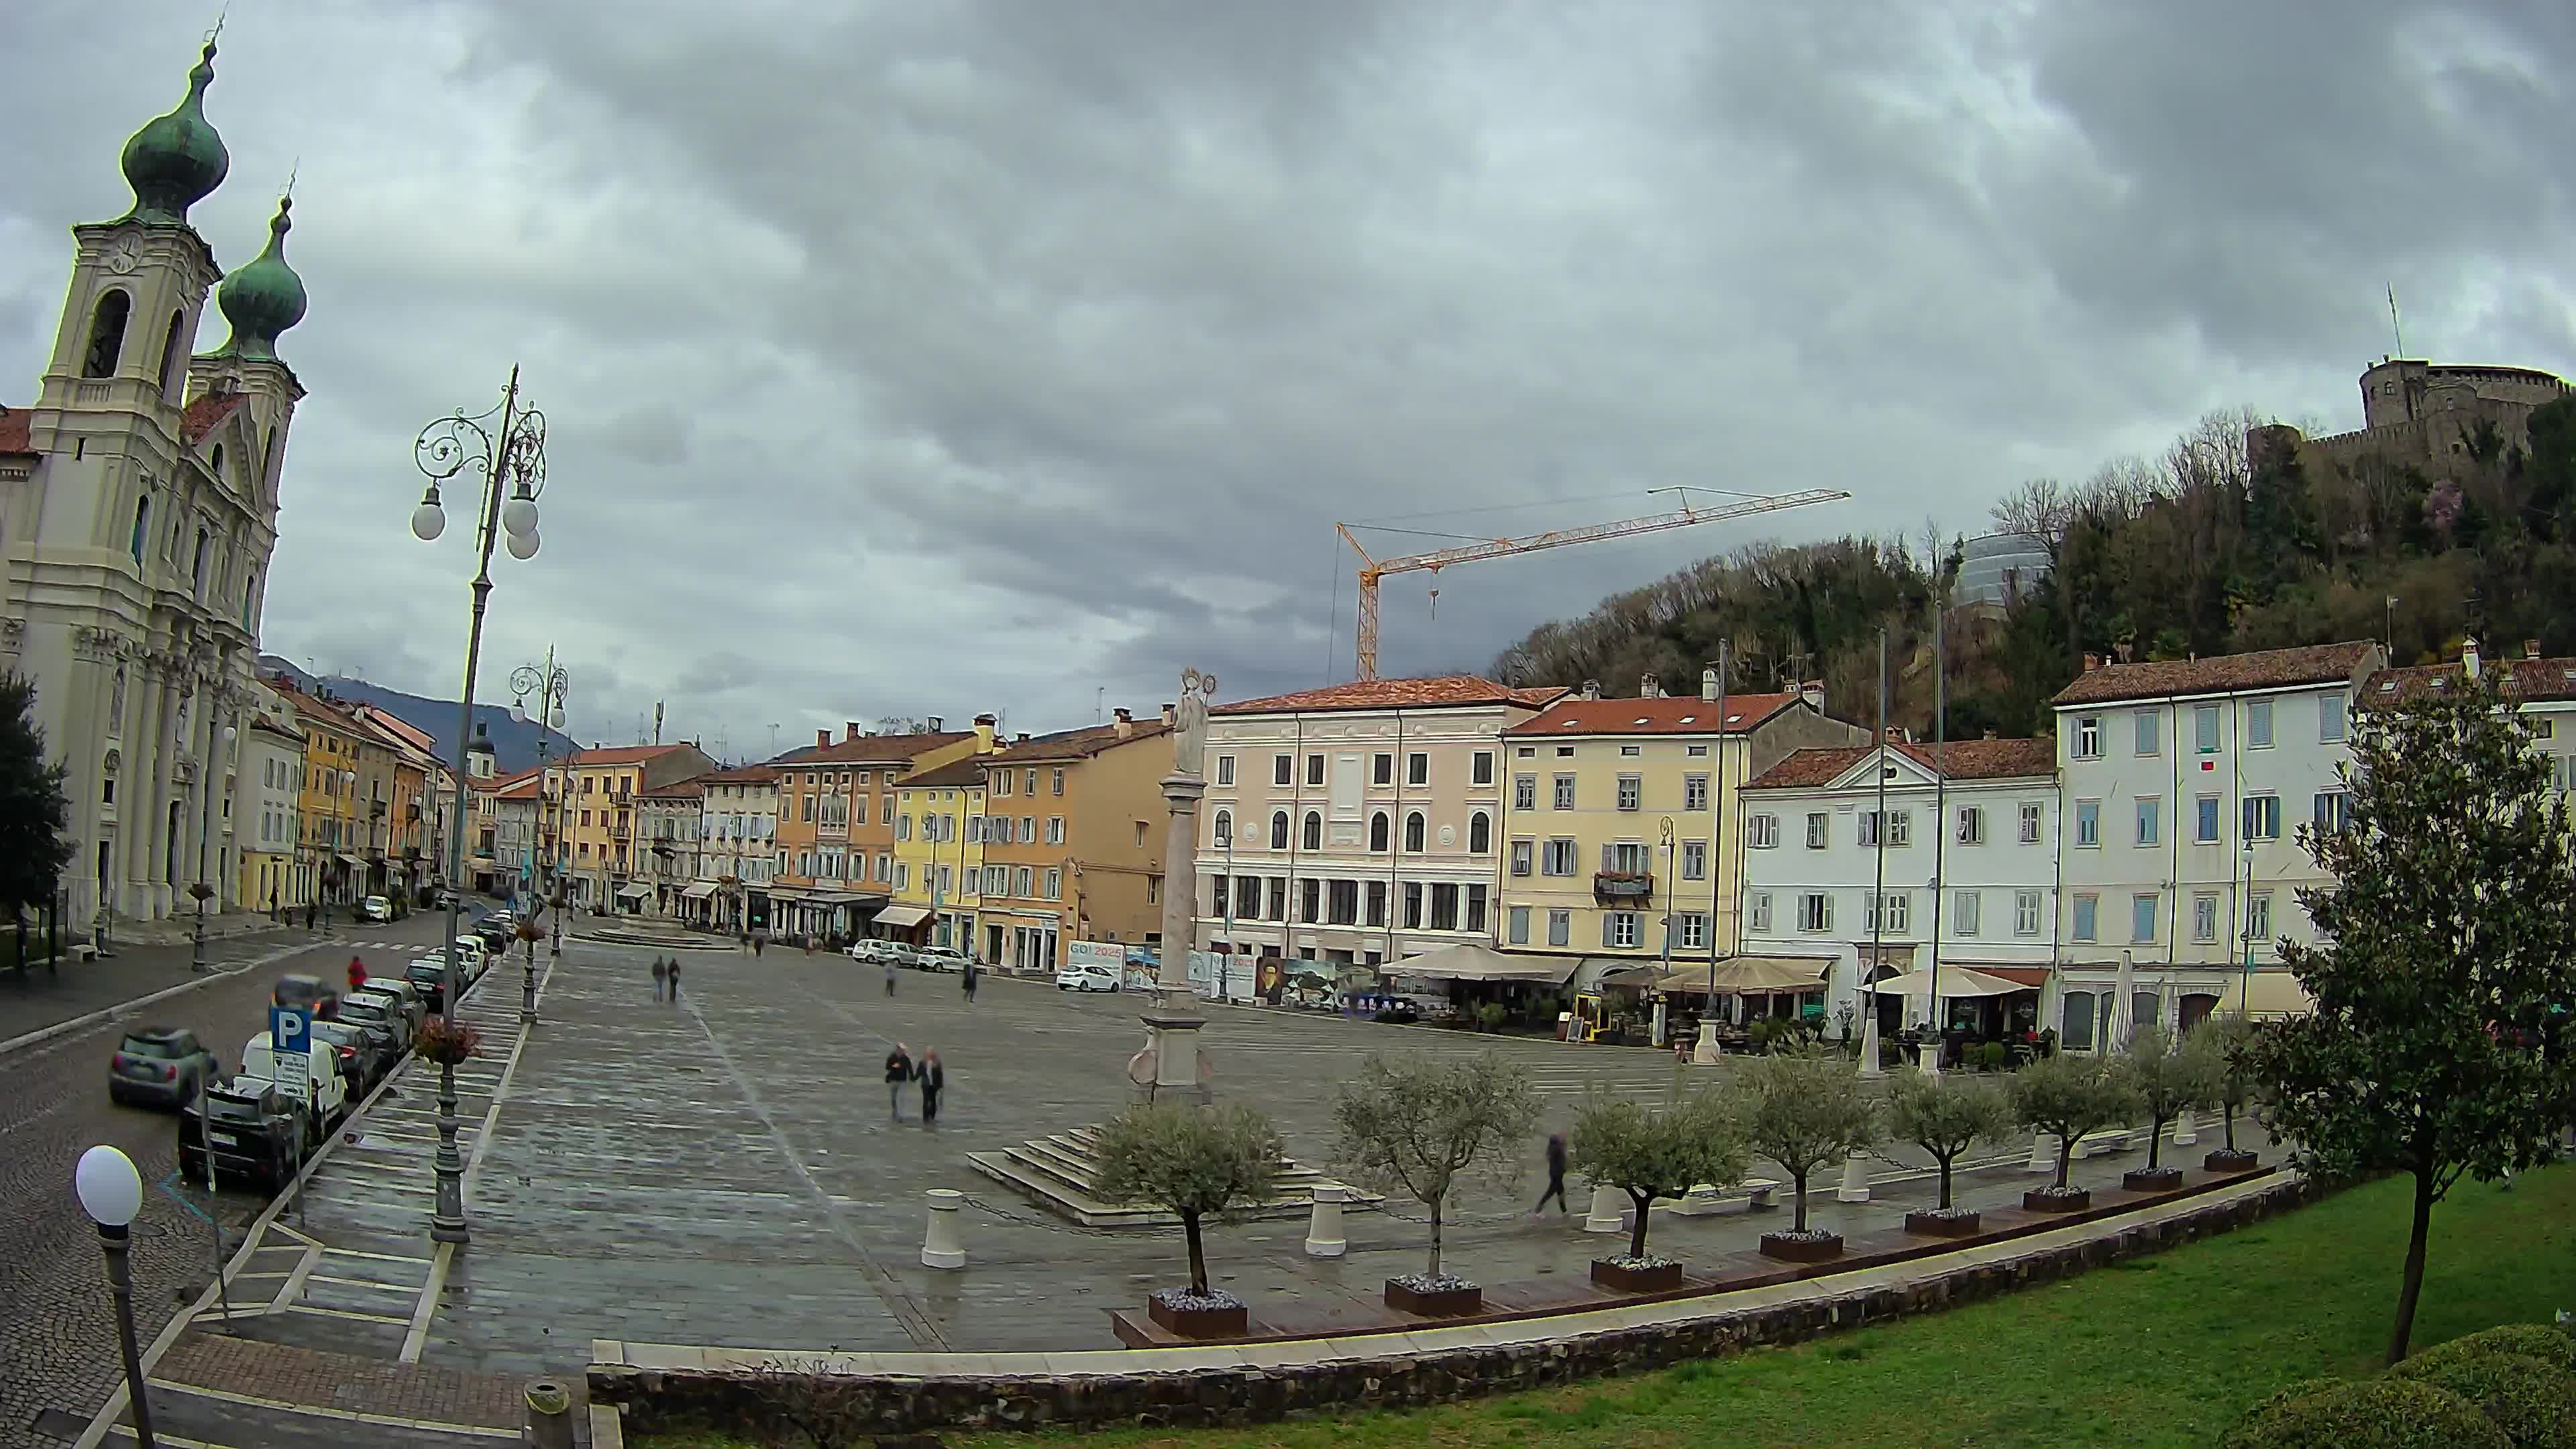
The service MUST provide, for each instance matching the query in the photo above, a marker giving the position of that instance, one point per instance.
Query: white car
(321, 1087)
(1089, 976)
(376, 908)
(942, 958)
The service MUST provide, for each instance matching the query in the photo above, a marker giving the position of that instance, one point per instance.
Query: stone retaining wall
(657, 1399)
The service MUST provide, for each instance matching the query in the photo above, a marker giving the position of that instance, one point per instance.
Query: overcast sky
(936, 357)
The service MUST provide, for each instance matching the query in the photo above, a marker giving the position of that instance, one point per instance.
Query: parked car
(311, 993)
(428, 975)
(942, 958)
(1087, 976)
(494, 931)
(367, 1054)
(415, 1010)
(160, 1066)
(382, 1013)
(310, 1077)
(252, 1130)
(375, 908)
(874, 950)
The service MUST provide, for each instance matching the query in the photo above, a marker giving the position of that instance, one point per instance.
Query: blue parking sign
(290, 1029)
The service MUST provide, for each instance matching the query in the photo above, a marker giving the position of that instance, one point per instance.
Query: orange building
(836, 829)
(1073, 835)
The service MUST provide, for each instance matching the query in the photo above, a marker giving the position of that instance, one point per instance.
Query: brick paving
(346, 1381)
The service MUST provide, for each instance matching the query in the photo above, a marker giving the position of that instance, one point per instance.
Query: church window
(218, 463)
(171, 371)
(142, 517)
(107, 334)
(197, 570)
(250, 596)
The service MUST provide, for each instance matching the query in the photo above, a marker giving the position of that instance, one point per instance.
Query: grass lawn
(2157, 1351)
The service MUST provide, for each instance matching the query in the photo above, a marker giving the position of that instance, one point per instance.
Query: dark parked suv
(255, 1134)
(160, 1066)
(308, 992)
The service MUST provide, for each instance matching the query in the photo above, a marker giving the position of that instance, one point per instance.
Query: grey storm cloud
(934, 359)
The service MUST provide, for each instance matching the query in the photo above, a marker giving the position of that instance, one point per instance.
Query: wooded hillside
(2197, 551)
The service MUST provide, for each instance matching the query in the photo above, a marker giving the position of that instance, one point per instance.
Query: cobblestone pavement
(57, 1338)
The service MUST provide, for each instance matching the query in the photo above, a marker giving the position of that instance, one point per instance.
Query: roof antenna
(2395, 329)
(217, 32)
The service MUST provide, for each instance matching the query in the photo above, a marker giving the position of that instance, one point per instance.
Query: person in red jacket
(357, 975)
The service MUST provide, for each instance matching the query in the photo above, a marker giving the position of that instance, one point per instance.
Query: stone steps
(1062, 1173)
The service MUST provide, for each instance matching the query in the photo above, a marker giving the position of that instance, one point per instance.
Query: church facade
(138, 513)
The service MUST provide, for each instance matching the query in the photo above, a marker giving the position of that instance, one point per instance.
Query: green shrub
(2533, 1340)
(2532, 1400)
(2373, 1414)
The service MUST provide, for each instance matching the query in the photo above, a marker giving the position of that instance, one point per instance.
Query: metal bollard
(1324, 1229)
(549, 1415)
(1855, 1186)
(1609, 1212)
(2042, 1157)
(940, 1245)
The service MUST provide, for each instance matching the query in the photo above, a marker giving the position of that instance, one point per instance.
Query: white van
(325, 1090)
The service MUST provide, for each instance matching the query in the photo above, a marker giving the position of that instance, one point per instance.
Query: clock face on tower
(125, 254)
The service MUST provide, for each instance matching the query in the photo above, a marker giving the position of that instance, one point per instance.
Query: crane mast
(1374, 569)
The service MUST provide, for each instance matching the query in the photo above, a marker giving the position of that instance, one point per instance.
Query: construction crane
(1374, 569)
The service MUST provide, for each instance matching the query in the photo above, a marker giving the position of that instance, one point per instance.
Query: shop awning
(1733, 976)
(1468, 961)
(903, 915)
(699, 891)
(633, 892)
(353, 862)
(1956, 981)
(839, 898)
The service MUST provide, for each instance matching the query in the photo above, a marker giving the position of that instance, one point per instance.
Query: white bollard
(2186, 1131)
(1705, 1054)
(2043, 1158)
(1869, 1066)
(1855, 1186)
(1324, 1229)
(940, 1246)
(1609, 1212)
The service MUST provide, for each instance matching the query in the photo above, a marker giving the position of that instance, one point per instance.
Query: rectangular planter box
(1928, 1225)
(2040, 1202)
(1200, 1322)
(2160, 1179)
(1449, 1304)
(2219, 1161)
(1610, 1275)
(1799, 1250)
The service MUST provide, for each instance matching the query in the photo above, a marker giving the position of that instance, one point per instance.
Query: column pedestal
(1172, 1062)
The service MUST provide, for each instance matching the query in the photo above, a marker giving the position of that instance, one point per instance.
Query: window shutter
(1605, 928)
(1609, 856)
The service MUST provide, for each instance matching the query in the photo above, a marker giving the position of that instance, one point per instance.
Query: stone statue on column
(1189, 725)
(1173, 1038)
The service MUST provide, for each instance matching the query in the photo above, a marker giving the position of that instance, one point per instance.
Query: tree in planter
(1649, 1153)
(33, 810)
(2443, 944)
(1946, 1116)
(2164, 1080)
(2230, 1040)
(2066, 1097)
(1194, 1161)
(1416, 1125)
(1806, 1111)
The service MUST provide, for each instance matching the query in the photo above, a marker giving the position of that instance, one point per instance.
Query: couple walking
(901, 1068)
(666, 979)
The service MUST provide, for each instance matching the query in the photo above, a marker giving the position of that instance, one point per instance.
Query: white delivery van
(320, 1086)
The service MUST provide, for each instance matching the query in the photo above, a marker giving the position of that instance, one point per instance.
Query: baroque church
(138, 511)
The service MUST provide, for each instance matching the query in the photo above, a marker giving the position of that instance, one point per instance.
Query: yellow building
(331, 817)
(596, 855)
(938, 854)
(1618, 815)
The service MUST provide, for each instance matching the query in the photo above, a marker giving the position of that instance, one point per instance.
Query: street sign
(290, 1029)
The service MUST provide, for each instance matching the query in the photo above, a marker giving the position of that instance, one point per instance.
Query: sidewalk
(41, 998)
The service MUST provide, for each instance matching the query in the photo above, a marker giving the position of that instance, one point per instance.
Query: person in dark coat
(759, 942)
(1555, 1176)
(659, 977)
(675, 980)
(898, 1072)
(970, 983)
(933, 1082)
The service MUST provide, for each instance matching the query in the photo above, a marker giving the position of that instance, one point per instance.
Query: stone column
(1181, 792)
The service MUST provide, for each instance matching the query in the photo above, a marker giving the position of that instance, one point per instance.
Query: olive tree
(1193, 1161)
(2230, 1040)
(1650, 1152)
(2165, 1080)
(2067, 1096)
(2445, 942)
(1807, 1111)
(1416, 1125)
(1946, 1116)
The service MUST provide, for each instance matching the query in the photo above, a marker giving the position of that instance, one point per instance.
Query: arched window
(1377, 831)
(173, 368)
(1480, 833)
(216, 463)
(1279, 830)
(268, 456)
(197, 568)
(250, 597)
(107, 334)
(1413, 831)
(142, 517)
(1224, 828)
(1314, 832)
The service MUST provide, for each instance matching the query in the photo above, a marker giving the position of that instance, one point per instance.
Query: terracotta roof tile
(872, 749)
(743, 775)
(14, 435)
(2532, 679)
(1664, 715)
(1437, 692)
(620, 755)
(263, 722)
(1079, 744)
(693, 788)
(967, 773)
(208, 413)
(1960, 759)
(2264, 669)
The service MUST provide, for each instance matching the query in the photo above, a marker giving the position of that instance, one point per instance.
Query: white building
(1964, 874)
(268, 825)
(138, 505)
(2184, 783)
(737, 848)
(668, 822)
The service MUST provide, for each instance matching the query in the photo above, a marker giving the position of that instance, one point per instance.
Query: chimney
(2530, 648)
(1023, 738)
(1895, 735)
(935, 725)
(1708, 685)
(1122, 721)
(1168, 715)
(850, 730)
(2469, 656)
(984, 724)
(1592, 689)
(1990, 734)
(1649, 687)
(2092, 662)
(822, 737)
(1813, 692)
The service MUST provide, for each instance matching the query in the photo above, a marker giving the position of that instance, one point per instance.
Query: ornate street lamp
(111, 1192)
(549, 685)
(510, 454)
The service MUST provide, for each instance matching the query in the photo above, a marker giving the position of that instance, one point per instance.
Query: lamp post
(548, 684)
(2245, 913)
(511, 459)
(111, 1192)
(348, 793)
(219, 740)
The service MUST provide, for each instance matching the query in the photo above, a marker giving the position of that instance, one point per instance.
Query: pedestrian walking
(889, 970)
(675, 980)
(659, 978)
(933, 1082)
(1555, 1176)
(357, 975)
(898, 1072)
(308, 915)
(970, 983)
(759, 942)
